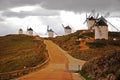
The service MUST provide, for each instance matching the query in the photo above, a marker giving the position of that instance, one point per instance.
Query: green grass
(17, 51)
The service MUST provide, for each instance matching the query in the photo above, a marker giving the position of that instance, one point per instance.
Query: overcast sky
(16, 14)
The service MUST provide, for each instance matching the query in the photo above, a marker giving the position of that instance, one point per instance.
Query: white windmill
(100, 25)
(67, 29)
(101, 29)
(20, 31)
(91, 20)
(30, 31)
(50, 32)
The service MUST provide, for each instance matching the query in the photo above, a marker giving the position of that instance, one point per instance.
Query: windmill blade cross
(107, 14)
(27, 29)
(63, 26)
(55, 33)
(85, 21)
(92, 13)
(47, 27)
(35, 32)
(86, 15)
(97, 15)
(113, 26)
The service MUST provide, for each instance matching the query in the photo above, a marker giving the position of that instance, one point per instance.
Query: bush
(97, 43)
(114, 43)
(85, 76)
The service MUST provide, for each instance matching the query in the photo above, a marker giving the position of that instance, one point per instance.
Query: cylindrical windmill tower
(50, 32)
(101, 30)
(90, 22)
(30, 32)
(67, 29)
(20, 31)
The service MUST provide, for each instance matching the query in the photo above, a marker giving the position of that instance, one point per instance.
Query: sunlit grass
(17, 51)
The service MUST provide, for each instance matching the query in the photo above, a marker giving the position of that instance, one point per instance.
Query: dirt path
(83, 45)
(57, 68)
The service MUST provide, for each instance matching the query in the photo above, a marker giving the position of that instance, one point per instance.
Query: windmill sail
(63, 26)
(114, 26)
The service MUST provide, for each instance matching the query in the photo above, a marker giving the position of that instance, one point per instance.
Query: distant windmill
(67, 29)
(91, 19)
(30, 31)
(20, 31)
(50, 32)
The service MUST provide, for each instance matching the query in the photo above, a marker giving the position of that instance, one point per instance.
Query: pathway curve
(58, 67)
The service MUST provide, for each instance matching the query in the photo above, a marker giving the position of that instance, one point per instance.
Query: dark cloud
(82, 5)
(37, 12)
(1, 19)
(14, 14)
(74, 5)
(6, 4)
(69, 5)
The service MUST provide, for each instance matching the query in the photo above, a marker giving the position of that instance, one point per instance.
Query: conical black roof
(101, 22)
(67, 27)
(50, 30)
(30, 29)
(20, 29)
(91, 18)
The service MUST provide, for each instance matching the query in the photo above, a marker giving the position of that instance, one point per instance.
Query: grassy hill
(71, 44)
(17, 51)
(102, 56)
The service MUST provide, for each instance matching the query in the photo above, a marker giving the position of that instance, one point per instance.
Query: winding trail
(59, 67)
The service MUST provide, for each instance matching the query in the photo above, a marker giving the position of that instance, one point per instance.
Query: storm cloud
(50, 7)
(37, 12)
(72, 5)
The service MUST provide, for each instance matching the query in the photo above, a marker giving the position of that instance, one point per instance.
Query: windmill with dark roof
(30, 31)
(20, 31)
(101, 29)
(100, 25)
(91, 20)
(67, 29)
(50, 32)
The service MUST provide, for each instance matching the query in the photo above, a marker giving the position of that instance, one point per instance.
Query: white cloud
(24, 8)
(25, 11)
(39, 23)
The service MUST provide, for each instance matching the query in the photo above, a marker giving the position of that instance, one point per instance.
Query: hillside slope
(102, 56)
(71, 43)
(20, 51)
(104, 67)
